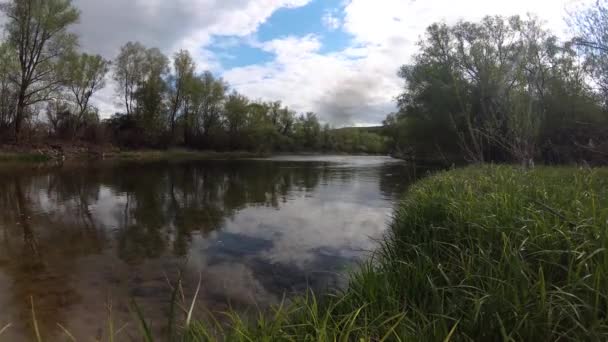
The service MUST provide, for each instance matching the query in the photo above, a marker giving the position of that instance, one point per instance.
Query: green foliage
(307, 130)
(502, 89)
(38, 31)
(179, 85)
(199, 111)
(355, 140)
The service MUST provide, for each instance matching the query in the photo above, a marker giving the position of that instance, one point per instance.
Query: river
(84, 241)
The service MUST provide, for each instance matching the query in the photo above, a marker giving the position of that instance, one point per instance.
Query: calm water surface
(83, 241)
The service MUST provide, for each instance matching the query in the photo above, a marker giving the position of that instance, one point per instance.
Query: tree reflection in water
(72, 237)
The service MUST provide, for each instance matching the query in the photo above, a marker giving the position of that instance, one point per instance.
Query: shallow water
(83, 241)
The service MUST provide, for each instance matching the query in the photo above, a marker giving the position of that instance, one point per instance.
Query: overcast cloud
(355, 85)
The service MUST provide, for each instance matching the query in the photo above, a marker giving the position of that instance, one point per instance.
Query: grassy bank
(23, 157)
(84, 154)
(179, 154)
(481, 254)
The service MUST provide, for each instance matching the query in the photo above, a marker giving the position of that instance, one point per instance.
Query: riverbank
(45, 153)
(83, 152)
(476, 254)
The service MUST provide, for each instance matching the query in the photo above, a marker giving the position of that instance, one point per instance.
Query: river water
(82, 242)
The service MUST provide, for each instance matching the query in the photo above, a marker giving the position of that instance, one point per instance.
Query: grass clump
(478, 254)
(6, 157)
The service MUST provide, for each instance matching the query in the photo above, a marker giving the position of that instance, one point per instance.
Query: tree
(210, 102)
(489, 86)
(37, 30)
(184, 73)
(236, 110)
(60, 118)
(141, 75)
(151, 95)
(308, 131)
(286, 121)
(129, 73)
(8, 90)
(591, 28)
(84, 75)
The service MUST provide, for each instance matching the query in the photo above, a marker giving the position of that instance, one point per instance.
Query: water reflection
(75, 238)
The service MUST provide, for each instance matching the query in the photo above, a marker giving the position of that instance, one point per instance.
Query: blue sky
(338, 58)
(234, 51)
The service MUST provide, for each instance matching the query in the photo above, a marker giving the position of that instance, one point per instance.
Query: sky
(338, 58)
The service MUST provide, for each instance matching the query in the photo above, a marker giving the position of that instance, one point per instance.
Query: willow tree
(38, 31)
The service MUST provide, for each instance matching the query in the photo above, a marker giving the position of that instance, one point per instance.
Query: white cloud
(359, 84)
(331, 20)
(170, 25)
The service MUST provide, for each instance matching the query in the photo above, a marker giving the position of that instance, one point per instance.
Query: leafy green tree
(262, 134)
(38, 31)
(184, 67)
(209, 103)
(487, 88)
(151, 96)
(141, 75)
(236, 110)
(286, 121)
(308, 131)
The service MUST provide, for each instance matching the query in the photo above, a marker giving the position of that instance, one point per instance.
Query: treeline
(506, 90)
(46, 86)
(176, 106)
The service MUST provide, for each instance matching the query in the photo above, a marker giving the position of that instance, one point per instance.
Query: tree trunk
(19, 117)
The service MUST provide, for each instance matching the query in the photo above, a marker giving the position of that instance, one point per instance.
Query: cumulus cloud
(170, 25)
